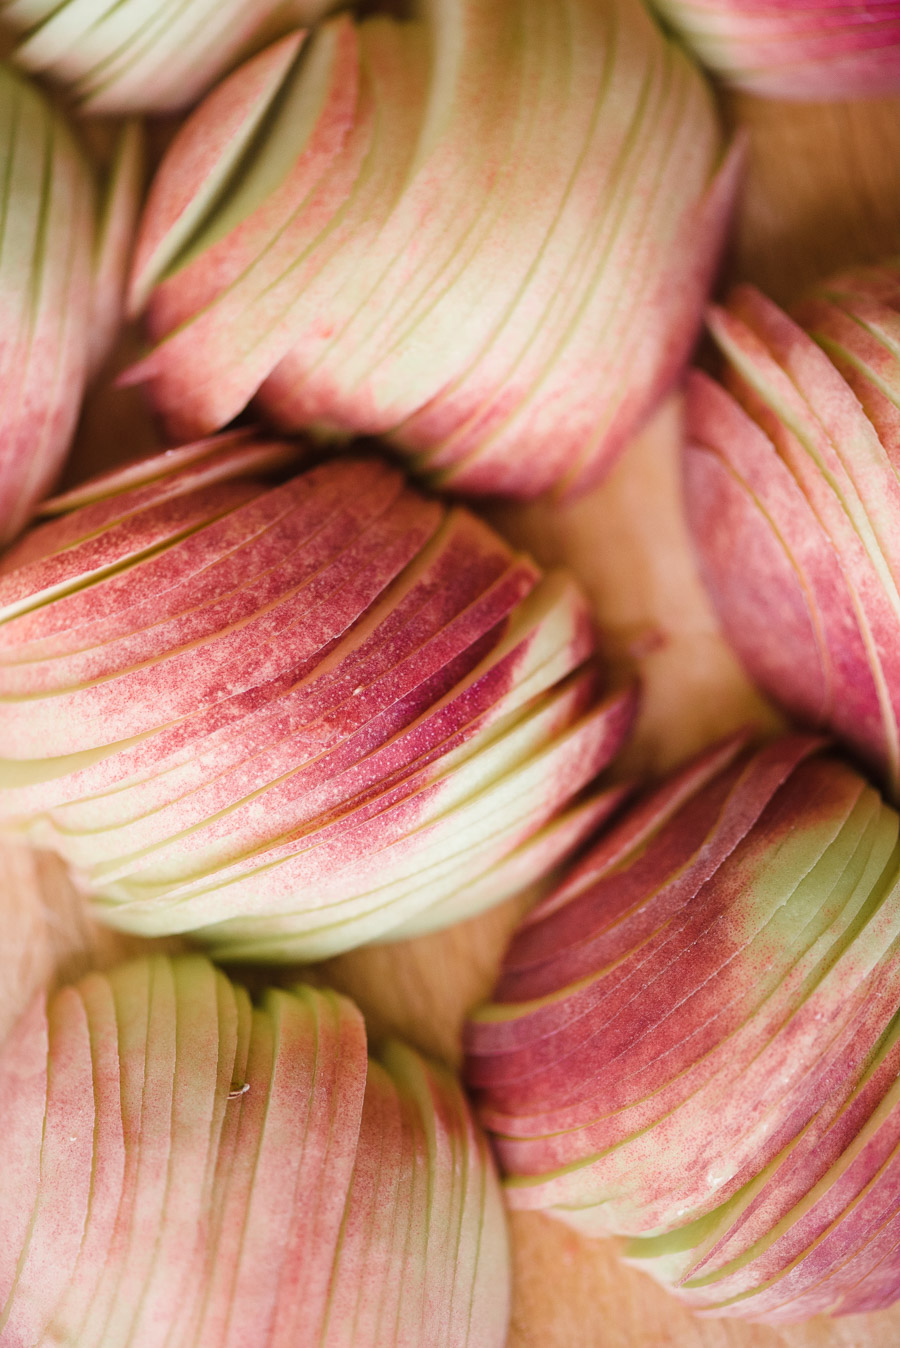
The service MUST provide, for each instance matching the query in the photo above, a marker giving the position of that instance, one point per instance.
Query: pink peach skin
(819, 50)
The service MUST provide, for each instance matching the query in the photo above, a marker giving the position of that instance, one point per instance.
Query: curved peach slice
(244, 655)
(855, 335)
(23, 1105)
(108, 1174)
(45, 294)
(328, 1159)
(233, 827)
(203, 1074)
(360, 1281)
(223, 586)
(608, 905)
(116, 228)
(214, 561)
(130, 986)
(438, 1240)
(205, 156)
(50, 1250)
(145, 1187)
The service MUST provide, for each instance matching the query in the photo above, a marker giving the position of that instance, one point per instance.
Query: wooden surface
(823, 189)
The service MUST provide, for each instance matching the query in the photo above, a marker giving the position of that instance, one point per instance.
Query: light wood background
(822, 190)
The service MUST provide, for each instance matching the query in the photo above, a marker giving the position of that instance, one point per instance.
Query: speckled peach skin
(294, 715)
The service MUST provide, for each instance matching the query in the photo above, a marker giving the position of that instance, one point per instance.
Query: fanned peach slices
(694, 1041)
(298, 715)
(183, 1168)
(794, 500)
(484, 231)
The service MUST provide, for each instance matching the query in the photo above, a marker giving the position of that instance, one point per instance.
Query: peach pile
(262, 694)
